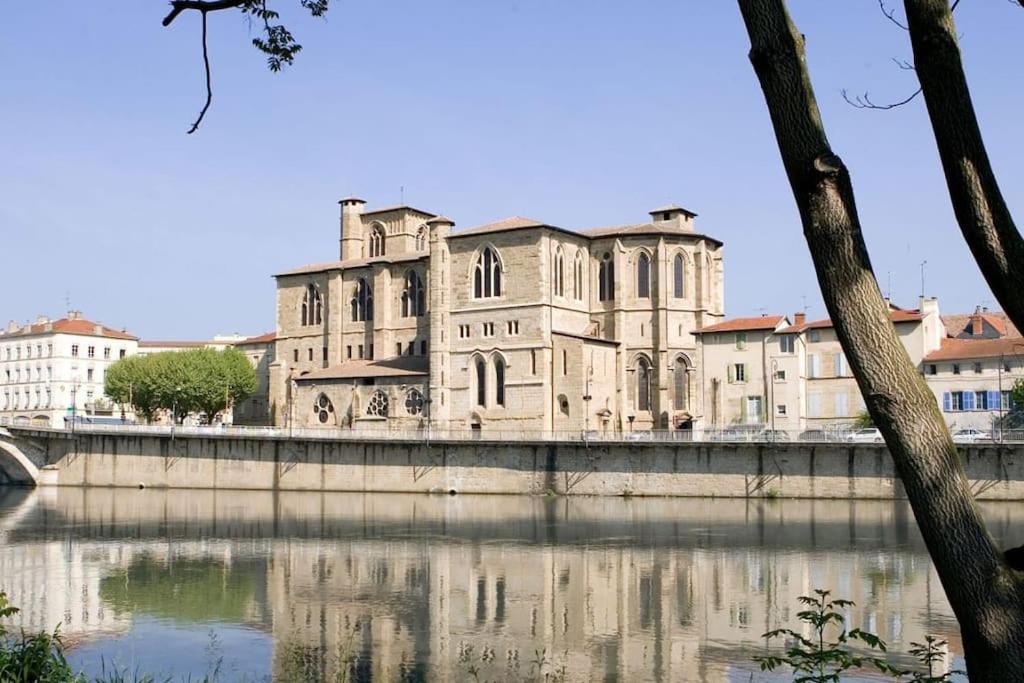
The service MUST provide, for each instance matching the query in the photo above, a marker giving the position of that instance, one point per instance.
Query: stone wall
(648, 469)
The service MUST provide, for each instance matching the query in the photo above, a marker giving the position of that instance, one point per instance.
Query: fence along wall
(643, 469)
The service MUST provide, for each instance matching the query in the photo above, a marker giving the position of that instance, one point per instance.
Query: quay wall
(741, 470)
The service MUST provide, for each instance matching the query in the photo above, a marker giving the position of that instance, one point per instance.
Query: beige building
(52, 369)
(256, 409)
(515, 325)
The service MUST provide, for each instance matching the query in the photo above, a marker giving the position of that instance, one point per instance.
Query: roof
(505, 224)
(763, 322)
(259, 339)
(399, 366)
(896, 315)
(79, 326)
(957, 323)
(521, 223)
(669, 208)
(172, 344)
(396, 207)
(961, 349)
(351, 263)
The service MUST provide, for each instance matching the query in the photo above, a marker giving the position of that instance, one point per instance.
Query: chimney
(42, 320)
(351, 238)
(977, 324)
(675, 215)
(13, 326)
(799, 318)
(74, 315)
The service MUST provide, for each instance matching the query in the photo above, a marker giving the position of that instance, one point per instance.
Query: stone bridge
(23, 459)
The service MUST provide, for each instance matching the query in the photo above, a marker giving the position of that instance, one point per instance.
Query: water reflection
(388, 587)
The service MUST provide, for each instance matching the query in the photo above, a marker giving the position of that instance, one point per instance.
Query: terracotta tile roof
(897, 315)
(762, 322)
(172, 344)
(399, 366)
(259, 339)
(958, 323)
(961, 349)
(505, 224)
(351, 263)
(78, 326)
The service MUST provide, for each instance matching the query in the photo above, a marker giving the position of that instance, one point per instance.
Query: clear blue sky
(575, 113)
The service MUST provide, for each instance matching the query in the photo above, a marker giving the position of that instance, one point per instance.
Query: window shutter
(746, 373)
(993, 399)
(732, 373)
(947, 403)
(968, 400)
(743, 409)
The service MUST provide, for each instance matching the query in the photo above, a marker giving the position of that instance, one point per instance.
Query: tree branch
(204, 6)
(209, 87)
(890, 14)
(864, 101)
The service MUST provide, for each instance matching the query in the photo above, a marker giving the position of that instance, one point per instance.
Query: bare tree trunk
(986, 595)
(978, 204)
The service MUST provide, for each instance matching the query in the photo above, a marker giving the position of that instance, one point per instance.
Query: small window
(814, 336)
(787, 343)
(933, 369)
(348, 352)
(533, 362)
(325, 353)
(370, 354)
(74, 351)
(360, 349)
(92, 351)
(977, 368)
(487, 329)
(411, 350)
(741, 340)
(780, 375)
(106, 353)
(780, 410)
(423, 347)
(739, 372)
(309, 353)
(295, 355)
(565, 362)
(956, 368)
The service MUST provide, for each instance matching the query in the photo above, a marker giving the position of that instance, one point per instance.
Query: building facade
(52, 369)
(514, 325)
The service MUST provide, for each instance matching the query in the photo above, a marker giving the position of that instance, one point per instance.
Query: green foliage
(1017, 393)
(28, 658)
(929, 654)
(197, 381)
(816, 659)
(863, 420)
(277, 42)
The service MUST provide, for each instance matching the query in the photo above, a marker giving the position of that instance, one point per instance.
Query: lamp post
(586, 403)
(771, 406)
(630, 418)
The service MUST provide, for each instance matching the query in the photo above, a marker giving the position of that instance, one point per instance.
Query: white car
(971, 436)
(871, 435)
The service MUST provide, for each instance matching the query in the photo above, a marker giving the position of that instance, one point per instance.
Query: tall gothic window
(559, 274)
(413, 298)
(643, 385)
(312, 306)
(643, 276)
(681, 398)
(481, 382)
(362, 301)
(421, 238)
(606, 278)
(377, 241)
(499, 381)
(678, 277)
(487, 275)
(577, 277)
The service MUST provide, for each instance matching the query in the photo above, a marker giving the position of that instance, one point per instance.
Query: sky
(578, 114)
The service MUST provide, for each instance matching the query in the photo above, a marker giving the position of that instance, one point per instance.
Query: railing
(738, 434)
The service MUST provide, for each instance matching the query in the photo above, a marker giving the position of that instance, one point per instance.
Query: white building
(55, 368)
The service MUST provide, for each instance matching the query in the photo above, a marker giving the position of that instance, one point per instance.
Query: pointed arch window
(481, 382)
(487, 275)
(643, 385)
(362, 301)
(413, 298)
(681, 393)
(606, 278)
(421, 238)
(377, 240)
(312, 306)
(559, 274)
(499, 381)
(678, 277)
(577, 277)
(643, 276)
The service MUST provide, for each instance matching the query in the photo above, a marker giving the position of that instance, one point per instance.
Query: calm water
(308, 586)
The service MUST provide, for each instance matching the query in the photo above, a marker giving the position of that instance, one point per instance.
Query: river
(307, 586)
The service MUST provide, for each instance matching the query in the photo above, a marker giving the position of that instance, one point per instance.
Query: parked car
(869, 435)
(971, 436)
(638, 436)
(814, 435)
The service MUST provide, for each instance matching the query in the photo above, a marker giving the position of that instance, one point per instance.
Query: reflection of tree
(182, 590)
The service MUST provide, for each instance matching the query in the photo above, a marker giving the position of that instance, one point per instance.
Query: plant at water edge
(930, 653)
(817, 660)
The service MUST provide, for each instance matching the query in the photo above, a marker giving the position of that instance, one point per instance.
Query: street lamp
(586, 400)
(174, 408)
(631, 417)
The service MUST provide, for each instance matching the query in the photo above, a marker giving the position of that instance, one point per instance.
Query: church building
(516, 326)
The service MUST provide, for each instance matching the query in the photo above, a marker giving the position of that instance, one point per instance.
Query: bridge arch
(15, 466)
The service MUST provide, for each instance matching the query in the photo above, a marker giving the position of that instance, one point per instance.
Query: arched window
(559, 274)
(414, 402)
(643, 276)
(362, 301)
(481, 382)
(678, 277)
(377, 240)
(312, 306)
(487, 275)
(323, 409)
(643, 385)
(378, 405)
(606, 278)
(577, 277)
(499, 381)
(421, 238)
(681, 381)
(413, 300)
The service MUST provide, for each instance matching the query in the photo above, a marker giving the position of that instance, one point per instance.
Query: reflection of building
(55, 368)
(511, 325)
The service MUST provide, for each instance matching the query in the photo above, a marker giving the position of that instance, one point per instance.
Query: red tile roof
(764, 322)
(172, 344)
(962, 349)
(78, 326)
(960, 323)
(259, 339)
(897, 315)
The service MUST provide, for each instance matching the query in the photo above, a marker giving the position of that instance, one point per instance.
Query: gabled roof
(505, 224)
(399, 366)
(259, 339)
(964, 349)
(79, 326)
(960, 323)
(352, 263)
(762, 322)
(896, 315)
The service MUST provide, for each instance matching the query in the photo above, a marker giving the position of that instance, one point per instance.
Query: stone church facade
(512, 326)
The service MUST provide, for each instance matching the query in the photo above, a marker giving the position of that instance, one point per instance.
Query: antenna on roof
(803, 297)
(888, 286)
(923, 264)
(67, 301)
(401, 195)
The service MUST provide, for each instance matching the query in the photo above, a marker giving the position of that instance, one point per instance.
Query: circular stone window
(414, 402)
(378, 405)
(323, 409)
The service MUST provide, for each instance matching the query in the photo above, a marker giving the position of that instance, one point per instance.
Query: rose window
(378, 405)
(323, 409)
